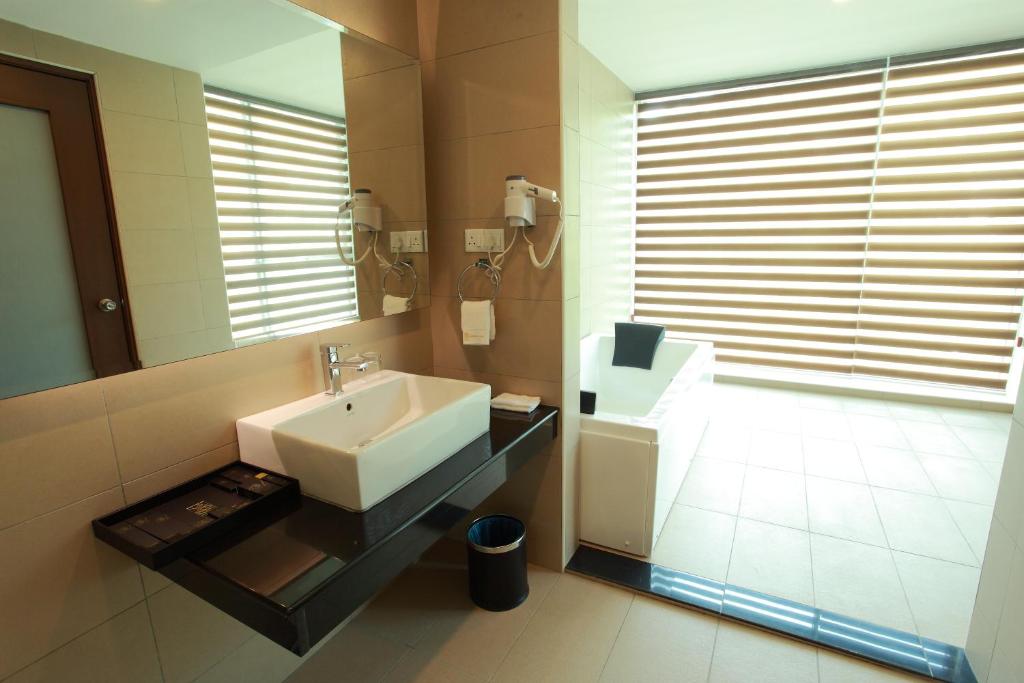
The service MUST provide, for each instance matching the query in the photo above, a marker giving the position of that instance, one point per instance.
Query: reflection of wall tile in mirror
(158, 256)
(143, 145)
(164, 415)
(165, 309)
(384, 110)
(215, 303)
(68, 584)
(195, 144)
(125, 84)
(202, 203)
(188, 90)
(143, 201)
(121, 649)
(16, 39)
(470, 93)
(361, 58)
(448, 27)
(57, 444)
(174, 347)
(396, 177)
(208, 254)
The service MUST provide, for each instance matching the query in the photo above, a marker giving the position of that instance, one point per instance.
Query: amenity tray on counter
(165, 527)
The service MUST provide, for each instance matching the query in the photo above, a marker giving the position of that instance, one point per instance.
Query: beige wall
(72, 454)
(491, 102)
(391, 22)
(997, 625)
(154, 129)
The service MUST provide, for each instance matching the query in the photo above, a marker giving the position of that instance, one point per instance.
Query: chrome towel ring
(493, 274)
(400, 268)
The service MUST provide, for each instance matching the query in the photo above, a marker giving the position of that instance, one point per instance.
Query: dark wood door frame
(69, 98)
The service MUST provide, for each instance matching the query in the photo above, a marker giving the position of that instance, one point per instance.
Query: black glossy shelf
(296, 575)
(862, 639)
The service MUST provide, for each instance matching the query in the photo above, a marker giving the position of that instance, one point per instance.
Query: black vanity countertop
(294, 578)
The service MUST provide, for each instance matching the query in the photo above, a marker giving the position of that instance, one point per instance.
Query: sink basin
(359, 447)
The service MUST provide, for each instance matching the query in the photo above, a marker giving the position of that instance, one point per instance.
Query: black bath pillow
(635, 344)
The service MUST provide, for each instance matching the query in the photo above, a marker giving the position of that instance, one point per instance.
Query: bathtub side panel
(615, 477)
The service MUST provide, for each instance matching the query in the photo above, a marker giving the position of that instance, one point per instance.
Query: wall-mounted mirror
(178, 179)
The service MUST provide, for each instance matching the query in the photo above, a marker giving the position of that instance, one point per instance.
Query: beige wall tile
(384, 110)
(124, 83)
(162, 416)
(169, 477)
(202, 204)
(159, 256)
(166, 309)
(215, 303)
(571, 635)
(161, 350)
(571, 257)
(16, 39)
(488, 91)
(569, 18)
(396, 177)
(571, 170)
(466, 178)
(191, 634)
(208, 254)
(55, 449)
(392, 22)
(528, 341)
(144, 201)
(188, 91)
(550, 392)
(60, 581)
(449, 27)
(117, 651)
(195, 145)
(362, 58)
(403, 339)
(142, 145)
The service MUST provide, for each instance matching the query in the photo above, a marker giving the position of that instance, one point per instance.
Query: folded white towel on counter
(515, 402)
(477, 323)
(395, 304)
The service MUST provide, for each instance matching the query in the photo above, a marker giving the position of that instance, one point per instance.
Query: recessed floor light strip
(821, 628)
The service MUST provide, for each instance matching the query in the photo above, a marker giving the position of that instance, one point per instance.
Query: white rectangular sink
(359, 447)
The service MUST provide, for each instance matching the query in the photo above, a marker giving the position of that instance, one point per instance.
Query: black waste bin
(496, 545)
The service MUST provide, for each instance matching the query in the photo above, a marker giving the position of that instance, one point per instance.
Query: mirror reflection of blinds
(279, 176)
(867, 223)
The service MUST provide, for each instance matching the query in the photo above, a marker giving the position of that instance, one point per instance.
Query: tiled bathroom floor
(878, 510)
(570, 630)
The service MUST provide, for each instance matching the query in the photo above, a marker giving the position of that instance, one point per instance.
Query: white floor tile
(774, 496)
(772, 559)
(941, 596)
(965, 417)
(983, 443)
(696, 541)
(877, 431)
(826, 424)
(833, 459)
(844, 510)
(784, 419)
(974, 522)
(959, 478)
(931, 437)
(994, 469)
(661, 642)
(724, 440)
(820, 401)
(865, 406)
(894, 468)
(860, 581)
(921, 525)
(744, 655)
(776, 450)
(914, 411)
(712, 485)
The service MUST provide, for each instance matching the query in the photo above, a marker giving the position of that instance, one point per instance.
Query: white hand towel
(515, 402)
(395, 304)
(477, 323)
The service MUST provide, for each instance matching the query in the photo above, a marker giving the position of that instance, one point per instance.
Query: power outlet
(409, 241)
(485, 240)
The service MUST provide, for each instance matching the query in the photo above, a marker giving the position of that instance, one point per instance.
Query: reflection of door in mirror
(61, 301)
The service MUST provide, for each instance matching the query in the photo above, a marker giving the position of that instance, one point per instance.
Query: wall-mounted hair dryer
(521, 213)
(365, 218)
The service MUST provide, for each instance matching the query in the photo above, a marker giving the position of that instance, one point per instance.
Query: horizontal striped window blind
(279, 176)
(869, 223)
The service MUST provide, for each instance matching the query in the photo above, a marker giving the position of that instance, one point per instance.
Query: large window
(279, 176)
(869, 222)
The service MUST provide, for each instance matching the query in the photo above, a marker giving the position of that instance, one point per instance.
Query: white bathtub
(637, 446)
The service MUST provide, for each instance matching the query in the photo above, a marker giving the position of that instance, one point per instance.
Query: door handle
(107, 305)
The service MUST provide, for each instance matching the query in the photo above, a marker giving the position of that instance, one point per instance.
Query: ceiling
(669, 43)
(257, 47)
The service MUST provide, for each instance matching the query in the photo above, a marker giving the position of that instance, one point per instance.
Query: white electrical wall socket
(485, 240)
(409, 241)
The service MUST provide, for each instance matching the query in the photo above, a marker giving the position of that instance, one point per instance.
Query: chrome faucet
(338, 372)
